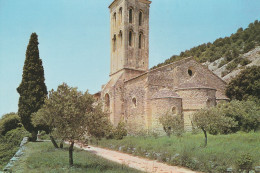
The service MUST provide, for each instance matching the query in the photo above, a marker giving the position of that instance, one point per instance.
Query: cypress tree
(32, 89)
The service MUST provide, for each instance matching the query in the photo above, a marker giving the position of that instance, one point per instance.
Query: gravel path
(134, 162)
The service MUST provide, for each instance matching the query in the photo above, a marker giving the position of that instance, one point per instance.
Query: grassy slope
(43, 157)
(221, 153)
(9, 144)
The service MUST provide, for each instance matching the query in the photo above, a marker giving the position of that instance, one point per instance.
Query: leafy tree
(98, 123)
(212, 120)
(32, 89)
(9, 122)
(72, 117)
(246, 84)
(245, 113)
(172, 124)
(249, 46)
(43, 118)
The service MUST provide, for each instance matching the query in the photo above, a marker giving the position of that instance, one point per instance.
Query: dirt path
(135, 162)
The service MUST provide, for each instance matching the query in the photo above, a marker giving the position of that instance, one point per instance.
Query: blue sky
(70, 31)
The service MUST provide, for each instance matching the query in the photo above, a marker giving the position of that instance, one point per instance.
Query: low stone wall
(17, 155)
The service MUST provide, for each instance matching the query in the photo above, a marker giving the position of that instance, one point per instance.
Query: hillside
(227, 56)
(232, 68)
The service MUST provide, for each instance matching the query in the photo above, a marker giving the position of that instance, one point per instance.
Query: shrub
(249, 46)
(8, 122)
(224, 73)
(245, 162)
(231, 66)
(9, 144)
(15, 136)
(245, 61)
(120, 131)
(223, 62)
(172, 124)
(246, 84)
(245, 113)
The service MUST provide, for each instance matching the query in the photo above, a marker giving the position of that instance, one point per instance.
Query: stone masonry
(139, 96)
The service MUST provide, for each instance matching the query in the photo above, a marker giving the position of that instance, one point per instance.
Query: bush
(120, 131)
(223, 62)
(224, 73)
(246, 84)
(245, 113)
(15, 136)
(8, 122)
(231, 66)
(245, 61)
(249, 46)
(9, 144)
(172, 124)
(244, 162)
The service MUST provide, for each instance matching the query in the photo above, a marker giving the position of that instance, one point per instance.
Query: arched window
(107, 102)
(130, 15)
(140, 41)
(191, 71)
(120, 14)
(134, 102)
(174, 111)
(140, 18)
(114, 43)
(130, 38)
(121, 38)
(114, 17)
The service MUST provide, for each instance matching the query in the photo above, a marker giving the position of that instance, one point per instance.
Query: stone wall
(194, 99)
(161, 107)
(124, 55)
(135, 100)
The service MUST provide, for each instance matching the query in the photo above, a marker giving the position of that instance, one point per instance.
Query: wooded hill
(227, 49)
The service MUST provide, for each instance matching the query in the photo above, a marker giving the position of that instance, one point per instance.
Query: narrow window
(140, 40)
(190, 72)
(121, 38)
(130, 15)
(114, 19)
(134, 102)
(130, 38)
(114, 43)
(120, 14)
(107, 102)
(174, 110)
(140, 18)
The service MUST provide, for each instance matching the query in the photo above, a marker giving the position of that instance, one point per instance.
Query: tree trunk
(54, 142)
(61, 144)
(206, 137)
(71, 153)
(34, 136)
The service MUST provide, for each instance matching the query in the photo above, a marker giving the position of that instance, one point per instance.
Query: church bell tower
(129, 33)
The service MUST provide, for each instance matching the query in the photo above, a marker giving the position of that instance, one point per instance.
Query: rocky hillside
(232, 68)
(226, 56)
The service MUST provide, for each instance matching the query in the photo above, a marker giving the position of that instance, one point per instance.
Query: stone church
(139, 96)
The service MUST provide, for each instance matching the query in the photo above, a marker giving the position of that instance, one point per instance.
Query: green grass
(43, 157)
(221, 153)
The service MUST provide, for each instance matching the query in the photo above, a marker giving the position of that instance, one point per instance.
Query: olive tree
(210, 119)
(72, 116)
(172, 124)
